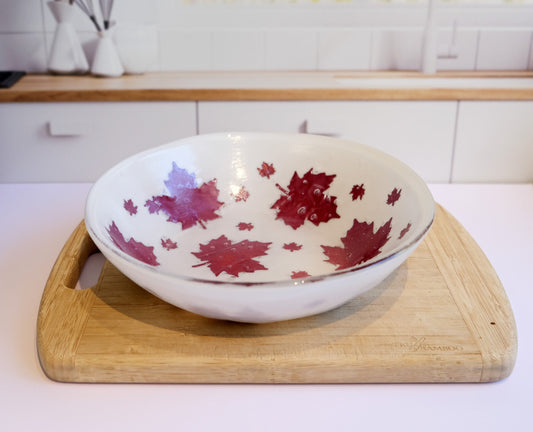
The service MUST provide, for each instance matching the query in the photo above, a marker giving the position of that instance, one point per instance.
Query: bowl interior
(256, 208)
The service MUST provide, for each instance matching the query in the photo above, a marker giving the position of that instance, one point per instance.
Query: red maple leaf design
(266, 170)
(222, 255)
(359, 245)
(130, 207)
(133, 248)
(404, 231)
(299, 274)
(186, 203)
(241, 195)
(168, 244)
(305, 200)
(292, 246)
(358, 192)
(245, 226)
(394, 196)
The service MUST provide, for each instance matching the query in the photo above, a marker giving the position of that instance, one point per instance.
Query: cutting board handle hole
(91, 271)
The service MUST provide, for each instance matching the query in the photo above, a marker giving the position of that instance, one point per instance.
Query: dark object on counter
(8, 78)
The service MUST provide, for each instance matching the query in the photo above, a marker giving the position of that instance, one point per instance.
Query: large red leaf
(304, 200)
(222, 255)
(186, 203)
(132, 247)
(359, 245)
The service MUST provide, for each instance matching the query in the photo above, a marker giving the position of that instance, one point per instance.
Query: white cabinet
(462, 142)
(77, 142)
(494, 142)
(420, 133)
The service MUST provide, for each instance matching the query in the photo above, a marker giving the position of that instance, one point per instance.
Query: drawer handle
(59, 128)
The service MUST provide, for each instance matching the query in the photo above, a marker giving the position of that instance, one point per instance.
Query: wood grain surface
(240, 86)
(443, 316)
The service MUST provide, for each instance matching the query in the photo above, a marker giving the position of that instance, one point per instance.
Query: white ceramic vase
(66, 54)
(106, 61)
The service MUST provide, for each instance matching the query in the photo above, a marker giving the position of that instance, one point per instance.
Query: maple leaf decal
(132, 247)
(222, 255)
(169, 244)
(304, 200)
(359, 245)
(299, 274)
(357, 192)
(394, 196)
(245, 226)
(130, 207)
(404, 231)
(292, 246)
(187, 203)
(266, 170)
(241, 194)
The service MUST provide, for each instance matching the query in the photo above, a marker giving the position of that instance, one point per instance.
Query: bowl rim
(120, 255)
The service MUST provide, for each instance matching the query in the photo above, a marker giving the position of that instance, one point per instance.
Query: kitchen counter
(281, 86)
(37, 219)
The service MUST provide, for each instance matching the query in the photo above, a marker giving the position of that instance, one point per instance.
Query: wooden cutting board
(443, 316)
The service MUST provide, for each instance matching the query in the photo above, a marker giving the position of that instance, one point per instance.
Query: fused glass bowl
(256, 227)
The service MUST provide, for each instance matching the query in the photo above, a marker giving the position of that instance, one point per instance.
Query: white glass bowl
(256, 227)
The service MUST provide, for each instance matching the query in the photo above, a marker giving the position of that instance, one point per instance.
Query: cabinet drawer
(421, 134)
(494, 142)
(77, 142)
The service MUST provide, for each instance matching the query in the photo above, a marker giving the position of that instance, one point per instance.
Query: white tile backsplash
(238, 50)
(396, 49)
(185, 50)
(503, 49)
(19, 16)
(25, 51)
(291, 49)
(344, 49)
(286, 35)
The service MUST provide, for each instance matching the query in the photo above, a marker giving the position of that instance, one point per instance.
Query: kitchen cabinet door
(77, 142)
(494, 142)
(420, 133)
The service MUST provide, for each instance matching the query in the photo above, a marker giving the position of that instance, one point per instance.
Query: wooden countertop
(239, 86)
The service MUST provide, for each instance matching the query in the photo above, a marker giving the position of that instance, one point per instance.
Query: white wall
(290, 34)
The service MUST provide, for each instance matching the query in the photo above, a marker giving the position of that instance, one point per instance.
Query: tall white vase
(66, 54)
(106, 61)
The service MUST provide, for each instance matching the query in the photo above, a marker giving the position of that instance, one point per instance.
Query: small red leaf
(245, 226)
(241, 194)
(130, 207)
(222, 255)
(168, 244)
(292, 246)
(299, 274)
(404, 231)
(266, 170)
(358, 192)
(394, 196)
(359, 245)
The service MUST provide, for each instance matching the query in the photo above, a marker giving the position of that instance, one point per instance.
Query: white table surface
(36, 220)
